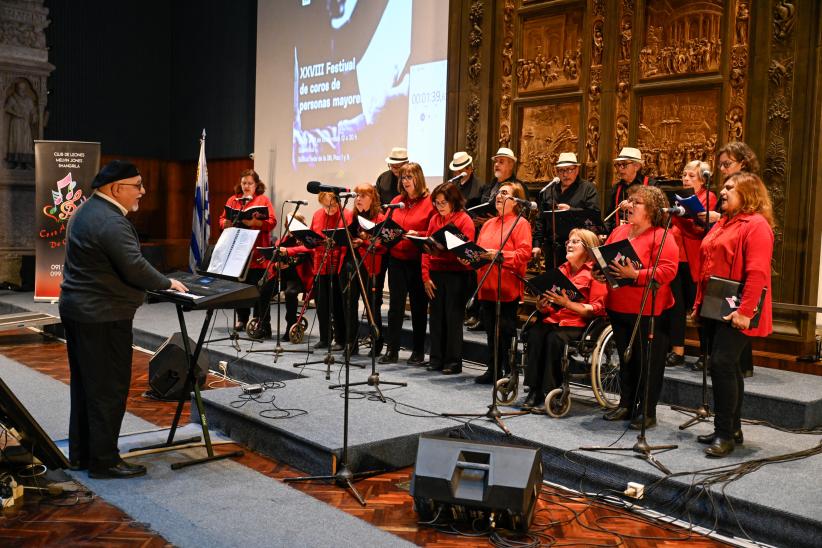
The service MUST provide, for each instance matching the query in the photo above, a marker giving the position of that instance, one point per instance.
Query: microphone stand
(494, 414)
(641, 447)
(703, 412)
(343, 476)
(374, 378)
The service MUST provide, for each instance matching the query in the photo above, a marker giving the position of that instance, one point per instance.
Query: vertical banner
(63, 171)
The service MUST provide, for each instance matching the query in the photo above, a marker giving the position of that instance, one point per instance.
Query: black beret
(114, 171)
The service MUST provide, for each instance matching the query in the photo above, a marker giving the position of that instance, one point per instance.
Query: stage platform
(298, 420)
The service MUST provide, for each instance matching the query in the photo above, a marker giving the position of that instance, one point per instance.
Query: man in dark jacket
(104, 282)
(629, 170)
(469, 185)
(388, 181)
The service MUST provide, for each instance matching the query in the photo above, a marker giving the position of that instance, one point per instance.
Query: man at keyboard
(105, 278)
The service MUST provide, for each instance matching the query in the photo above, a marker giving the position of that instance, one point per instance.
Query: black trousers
(330, 308)
(546, 343)
(508, 330)
(730, 351)
(632, 374)
(447, 311)
(292, 286)
(405, 280)
(100, 363)
(262, 309)
(351, 297)
(684, 291)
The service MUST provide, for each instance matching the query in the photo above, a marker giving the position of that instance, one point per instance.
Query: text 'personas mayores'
(321, 69)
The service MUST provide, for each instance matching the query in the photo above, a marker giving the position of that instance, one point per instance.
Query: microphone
(462, 175)
(676, 211)
(398, 205)
(315, 187)
(706, 175)
(525, 203)
(298, 202)
(346, 194)
(554, 181)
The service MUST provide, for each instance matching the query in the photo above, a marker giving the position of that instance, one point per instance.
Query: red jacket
(322, 221)
(264, 237)
(516, 254)
(593, 293)
(741, 249)
(372, 263)
(690, 235)
(443, 260)
(414, 216)
(305, 269)
(627, 299)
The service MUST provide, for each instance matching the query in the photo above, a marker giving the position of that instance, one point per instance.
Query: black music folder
(302, 233)
(338, 235)
(723, 296)
(437, 239)
(569, 219)
(389, 231)
(553, 280)
(673, 188)
(622, 251)
(255, 212)
(483, 210)
(468, 251)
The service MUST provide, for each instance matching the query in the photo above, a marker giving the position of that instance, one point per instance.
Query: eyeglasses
(504, 193)
(621, 165)
(727, 163)
(441, 203)
(407, 177)
(574, 241)
(139, 186)
(563, 170)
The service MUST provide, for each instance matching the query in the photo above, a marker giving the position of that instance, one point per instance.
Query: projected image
(368, 75)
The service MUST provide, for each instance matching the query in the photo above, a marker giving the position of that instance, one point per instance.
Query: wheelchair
(592, 361)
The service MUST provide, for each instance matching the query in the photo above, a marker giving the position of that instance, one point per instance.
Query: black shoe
(286, 338)
(673, 359)
(321, 344)
(617, 414)
(479, 326)
(391, 356)
(485, 378)
(708, 439)
(698, 365)
(747, 374)
(337, 347)
(416, 358)
(452, 369)
(120, 470)
(434, 367)
(539, 408)
(239, 326)
(376, 349)
(637, 423)
(721, 447)
(471, 321)
(529, 401)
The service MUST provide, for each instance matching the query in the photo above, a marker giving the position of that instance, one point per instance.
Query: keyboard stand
(191, 381)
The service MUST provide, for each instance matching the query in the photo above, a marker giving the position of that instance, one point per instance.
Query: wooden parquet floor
(560, 520)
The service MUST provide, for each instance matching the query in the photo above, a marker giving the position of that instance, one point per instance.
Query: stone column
(24, 69)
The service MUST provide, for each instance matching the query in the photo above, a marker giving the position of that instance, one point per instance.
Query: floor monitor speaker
(462, 481)
(168, 369)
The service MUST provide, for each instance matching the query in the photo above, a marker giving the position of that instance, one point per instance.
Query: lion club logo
(64, 205)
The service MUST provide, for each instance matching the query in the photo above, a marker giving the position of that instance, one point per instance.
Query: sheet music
(295, 224)
(365, 223)
(452, 241)
(232, 252)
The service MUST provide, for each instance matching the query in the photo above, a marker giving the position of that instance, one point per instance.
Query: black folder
(622, 251)
(723, 296)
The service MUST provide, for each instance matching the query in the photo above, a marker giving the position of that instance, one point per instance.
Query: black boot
(391, 356)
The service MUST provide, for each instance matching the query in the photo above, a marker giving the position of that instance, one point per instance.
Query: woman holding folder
(446, 281)
(644, 230)
(515, 256)
(740, 248)
(563, 319)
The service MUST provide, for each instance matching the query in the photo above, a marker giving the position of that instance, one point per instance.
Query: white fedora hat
(630, 154)
(505, 153)
(461, 160)
(567, 159)
(398, 155)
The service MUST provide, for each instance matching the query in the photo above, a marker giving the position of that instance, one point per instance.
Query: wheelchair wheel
(605, 370)
(296, 333)
(254, 329)
(555, 405)
(506, 389)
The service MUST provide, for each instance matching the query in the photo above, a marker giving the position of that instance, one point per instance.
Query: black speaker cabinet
(168, 369)
(465, 480)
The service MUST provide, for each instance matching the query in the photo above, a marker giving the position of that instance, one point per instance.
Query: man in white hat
(463, 164)
(388, 183)
(568, 192)
(504, 163)
(629, 172)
